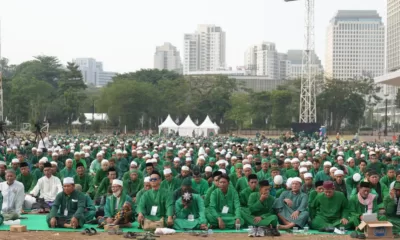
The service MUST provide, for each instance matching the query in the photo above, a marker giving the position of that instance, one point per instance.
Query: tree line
(44, 89)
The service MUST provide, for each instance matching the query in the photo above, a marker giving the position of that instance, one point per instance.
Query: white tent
(168, 126)
(208, 127)
(187, 127)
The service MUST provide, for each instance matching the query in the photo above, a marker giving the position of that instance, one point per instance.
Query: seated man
(26, 177)
(114, 204)
(224, 209)
(68, 208)
(48, 186)
(83, 179)
(170, 182)
(199, 184)
(245, 193)
(90, 209)
(262, 215)
(105, 184)
(156, 206)
(291, 206)
(133, 184)
(331, 209)
(392, 207)
(13, 196)
(186, 186)
(189, 212)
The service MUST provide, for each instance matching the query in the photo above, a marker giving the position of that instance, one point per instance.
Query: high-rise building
(93, 73)
(393, 35)
(167, 57)
(262, 60)
(295, 59)
(355, 45)
(204, 50)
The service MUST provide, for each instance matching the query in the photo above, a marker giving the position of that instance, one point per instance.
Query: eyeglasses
(153, 179)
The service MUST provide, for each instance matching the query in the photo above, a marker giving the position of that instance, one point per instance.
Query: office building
(167, 57)
(355, 45)
(205, 49)
(262, 60)
(93, 73)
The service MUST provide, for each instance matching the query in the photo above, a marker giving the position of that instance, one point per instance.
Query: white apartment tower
(355, 45)
(204, 50)
(393, 35)
(167, 57)
(93, 73)
(295, 67)
(262, 60)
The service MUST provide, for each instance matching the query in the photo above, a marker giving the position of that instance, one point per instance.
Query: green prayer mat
(37, 222)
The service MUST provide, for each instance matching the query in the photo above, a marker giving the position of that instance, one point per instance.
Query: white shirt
(13, 197)
(48, 188)
(12, 142)
(43, 143)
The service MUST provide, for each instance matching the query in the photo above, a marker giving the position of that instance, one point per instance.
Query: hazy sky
(123, 34)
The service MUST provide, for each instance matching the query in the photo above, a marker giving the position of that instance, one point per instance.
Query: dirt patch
(42, 235)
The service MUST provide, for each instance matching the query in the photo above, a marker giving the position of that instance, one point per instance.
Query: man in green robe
(294, 171)
(324, 175)
(170, 182)
(121, 164)
(156, 204)
(90, 209)
(133, 185)
(68, 171)
(389, 177)
(242, 182)
(264, 173)
(237, 173)
(84, 179)
(38, 172)
(291, 206)
(146, 187)
(253, 187)
(392, 207)
(224, 210)
(260, 212)
(214, 186)
(106, 183)
(189, 212)
(199, 184)
(336, 215)
(312, 195)
(26, 178)
(67, 210)
(115, 202)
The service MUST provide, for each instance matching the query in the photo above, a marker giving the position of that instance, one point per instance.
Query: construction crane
(308, 108)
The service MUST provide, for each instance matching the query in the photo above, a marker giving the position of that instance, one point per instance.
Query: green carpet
(36, 222)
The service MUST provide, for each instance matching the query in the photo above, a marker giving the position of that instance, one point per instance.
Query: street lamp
(386, 116)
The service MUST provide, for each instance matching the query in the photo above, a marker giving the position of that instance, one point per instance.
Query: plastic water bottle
(210, 232)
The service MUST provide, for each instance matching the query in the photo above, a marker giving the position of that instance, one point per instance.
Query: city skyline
(126, 41)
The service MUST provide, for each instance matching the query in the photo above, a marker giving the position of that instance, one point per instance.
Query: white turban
(278, 180)
(327, 163)
(338, 172)
(68, 180)
(15, 160)
(303, 170)
(185, 168)
(208, 169)
(117, 182)
(307, 175)
(167, 171)
(297, 179)
(147, 179)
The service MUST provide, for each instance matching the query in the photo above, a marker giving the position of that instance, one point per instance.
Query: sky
(123, 34)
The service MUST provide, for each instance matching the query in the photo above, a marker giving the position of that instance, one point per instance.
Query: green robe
(391, 209)
(300, 202)
(195, 208)
(113, 206)
(172, 185)
(127, 175)
(74, 204)
(133, 187)
(329, 216)
(261, 175)
(242, 184)
(322, 176)
(207, 198)
(38, 173)
(90, 209)
(28, 181)
(233, 178)
(262, 209)
(201, 188)
(122, 166)
(160, 198)
(356, 209)
(385, 180)
(67, 173)
(245, 194)
(100, 175)
(85, 182)
(103, 188)
(291, 173)
(217, 202)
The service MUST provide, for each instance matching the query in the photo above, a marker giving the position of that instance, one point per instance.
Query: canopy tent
(188, 127)
(168, 126)
(208, 128)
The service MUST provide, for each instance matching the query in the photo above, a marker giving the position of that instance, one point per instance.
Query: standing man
(68, 208)
(13, 196)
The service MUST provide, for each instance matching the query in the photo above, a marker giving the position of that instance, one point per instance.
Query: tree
(281, 115)
(261, 108)
(240, 111)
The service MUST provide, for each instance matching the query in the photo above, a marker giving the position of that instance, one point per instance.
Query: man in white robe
(13, 196)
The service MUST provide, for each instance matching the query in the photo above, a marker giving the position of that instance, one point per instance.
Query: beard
(117, 194)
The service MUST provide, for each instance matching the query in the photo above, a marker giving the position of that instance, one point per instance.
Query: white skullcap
(362, 156)
(295, 160)
(104, 161)
(40, 150)
(133, 163)
(247, 166)
(147, 156)
(149, 161)
(289, 182)
(68, 180)
(222, 170)
(278, 180)
(87, 155)
(54, 155)
(308, 163)
(185, 168)
(356, 177)
(99, 154)
(188, 155)
(177, 159)
(349, 159)
(340, 158)
(202, 158)
(117, 182)
(34, 148)
(297, 179)
(15, 160)
(338, 172)
(303, 164)
(287, 160)
(333, 169)
(68, 160)
(77, 153)
(307, 175)
(153, 160)
(147, 179)
(303, 170)
(341, 153)
(43, 160)
(2, 163)
(327, 163)
(188, 159)
(167, 171)
(53, 163)
(208, 169)
(124, 152)
(9, 149)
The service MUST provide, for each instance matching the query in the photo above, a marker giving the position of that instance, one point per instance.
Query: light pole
(385, 131)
